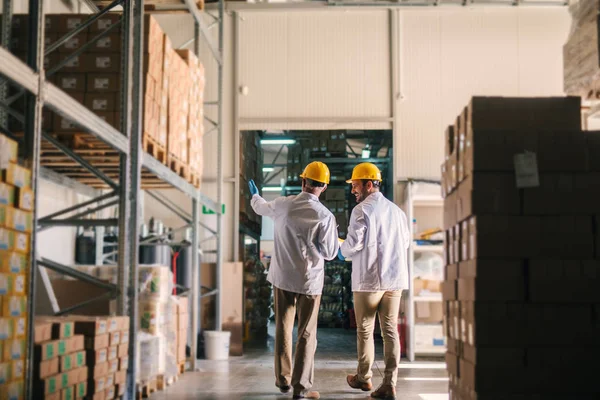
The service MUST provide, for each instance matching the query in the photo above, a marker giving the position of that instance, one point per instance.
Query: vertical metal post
(99, 231)
(411, 258)
(195, 292)
(33, 138)
(5, 36)
(236, 137)
(220, 170)
(130, 177)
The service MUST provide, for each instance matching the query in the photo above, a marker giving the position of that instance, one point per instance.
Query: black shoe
(285, 389)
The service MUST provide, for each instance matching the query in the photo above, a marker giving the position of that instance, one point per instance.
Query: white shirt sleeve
(405, 232)
(263, 207)
(355, 239)
(328, 238)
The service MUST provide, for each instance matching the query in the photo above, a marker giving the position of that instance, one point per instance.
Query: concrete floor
(251, 377)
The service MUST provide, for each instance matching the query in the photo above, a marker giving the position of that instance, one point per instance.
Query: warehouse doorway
(275, 160)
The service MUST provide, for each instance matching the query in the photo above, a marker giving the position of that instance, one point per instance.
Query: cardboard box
(5, 372)
(23, 198)
(62, 124)
(125, 337)
(103, 83)
(69, 22)
(449, 290)
(487, 193)
(16, 175)
(113, 366)
(42, 331)
(110, 380)
(16, 219)
(7, 194)
(124, 363)
(120, 389)
(181, 345)
(110, 393)
(97, 356)
(428, 312)
(7, 328)
(97, 385)
(20, 327)
(13, 390)
(112, 353)
(74, 43)
(120, 377)
(61, 327)
(72, 361)
(9, 152)
(15, 349)
(102, 101)
(107, 44)
(81, 390)
(120, 324)
(90, 326)
(115, 338)
(500, 289)
(14, 306)
(182, 305)
(103, 63)
(12, 262)
(13, 284)
(44, 369)
(123, 350)
(105, 22)
(68, 393)
(75, 63)
(99, 370)
(96, 342)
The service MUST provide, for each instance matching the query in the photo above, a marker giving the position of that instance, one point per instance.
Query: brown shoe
(356, 384)
(308, 395)
(386, 392)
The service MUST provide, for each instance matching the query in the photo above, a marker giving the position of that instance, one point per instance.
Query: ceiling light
(277, 141)
(268, 169)
(271, 189)
(366, 152)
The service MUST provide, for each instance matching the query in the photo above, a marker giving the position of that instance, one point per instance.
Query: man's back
(304, 234)
(380, 263)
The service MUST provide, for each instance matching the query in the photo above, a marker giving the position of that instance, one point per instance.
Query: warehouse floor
(251, 377)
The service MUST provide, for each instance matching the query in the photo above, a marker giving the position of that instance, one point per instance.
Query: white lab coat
(377, 240)
(305, 236)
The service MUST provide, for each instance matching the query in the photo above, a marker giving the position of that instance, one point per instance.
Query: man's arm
(355, 240)
(263, 207)
(328, 239)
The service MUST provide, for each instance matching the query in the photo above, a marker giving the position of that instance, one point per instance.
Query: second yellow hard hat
(365, 171)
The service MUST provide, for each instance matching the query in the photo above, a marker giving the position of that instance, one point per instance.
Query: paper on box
(7, 194)
(12, 262)
(97, 356)
(112, 353)
(14, 349)
(7, 328)
(17, 175)
(24, 198)
(13, 391)
(110, 380)
(17, 370)
(14, 306)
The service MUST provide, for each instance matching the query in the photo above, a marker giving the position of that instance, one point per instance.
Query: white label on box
(18, 369)
(110, 392)
(72, 43)
(15, 263)
(102, 62)
(15, 306)
(21, 241)
(73, 62)
(101, 83)
(102, 356)
(20, 220)
(113, 325)
(100, 384)
(125, 337)
(104, 24)
(16, 351)
(5, 333)
(526, 170)
(27, 201)
(101, 327)
(73, 23)
(4, 284)
(66, 124)
(112, 353)
(110, 380)
(20, 327)
(100, 104)
(114, 366)
(3, 188)
(69, 83)
(117, 337)
(104, 43)
(19, 284)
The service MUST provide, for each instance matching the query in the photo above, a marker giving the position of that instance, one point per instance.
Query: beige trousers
(366, 306)
(307, 307)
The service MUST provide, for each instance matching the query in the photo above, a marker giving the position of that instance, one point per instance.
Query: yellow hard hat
(365, 171)
(317, 171)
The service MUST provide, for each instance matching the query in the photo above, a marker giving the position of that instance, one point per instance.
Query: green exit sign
(206, 210)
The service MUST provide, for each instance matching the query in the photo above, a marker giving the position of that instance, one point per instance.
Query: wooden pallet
(164, 381)
(181, 368)
(195, 178)
(144, 390)
(155, 149)
(179, 167)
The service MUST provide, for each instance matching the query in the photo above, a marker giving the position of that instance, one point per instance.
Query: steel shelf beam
(214, 48)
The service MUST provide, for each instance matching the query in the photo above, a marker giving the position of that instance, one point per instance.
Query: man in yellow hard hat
(377, 240)
(305, 236)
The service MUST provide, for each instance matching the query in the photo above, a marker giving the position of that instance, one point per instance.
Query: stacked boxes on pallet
(16, 223)
(60, 370)
(522, 197)
(183, 318)
(179, 109)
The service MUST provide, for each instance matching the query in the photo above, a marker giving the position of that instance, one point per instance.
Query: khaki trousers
(366, 306)
(307, 307)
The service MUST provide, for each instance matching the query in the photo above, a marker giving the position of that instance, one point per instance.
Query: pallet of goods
(173, 87)
(522, 203)
(16, 224)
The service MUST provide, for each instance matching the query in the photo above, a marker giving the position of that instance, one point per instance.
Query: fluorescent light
(271, 189)
(278, 141)
(268, 169)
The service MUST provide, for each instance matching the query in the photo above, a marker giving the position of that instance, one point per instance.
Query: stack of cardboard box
(183, 318)
(60, 370)
(522, 192)
(179, 107)
(16, 223)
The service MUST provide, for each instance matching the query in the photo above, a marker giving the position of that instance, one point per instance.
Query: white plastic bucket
(216, 345)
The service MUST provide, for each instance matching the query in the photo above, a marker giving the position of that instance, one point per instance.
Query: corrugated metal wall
(447, 56)
(315, 69)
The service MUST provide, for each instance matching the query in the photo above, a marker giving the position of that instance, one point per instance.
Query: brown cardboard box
(563, 281)
(14, 349)
(110, 393)
(74, 64)
(464, 240)
(123, 363)
(103, 83)
(457, 242)
(487, 193)
(76, 343)
(46, 351)
(498, 289)
(452, 363)
(122, 323)
(24, 199)
(451, 272)
(110, 117)
(68, 22)
(108, 44)
(120, 377)
(16, 175)
(105, 22)
(182, 321)
(62, 124)
(115, 338)
(72, 361)
(102, 101)
(423, 286)
(124, 336)
(181, 345)
(448, 141)
(44, 369)
(90, 326)
(72, 82)
(110, 380)
(121, 389)
(61, 327)
(428, 312)
(449, 290)
(99, 370)
(96, 342)
(97, 356)
(112, 353)
(452, 259)
(113, 366)
(42, 331)
(99, 396)
(450, 210)
(96, 385)
(123, 350)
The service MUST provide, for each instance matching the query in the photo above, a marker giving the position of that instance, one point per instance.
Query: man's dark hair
(376, 184)
(314, 184)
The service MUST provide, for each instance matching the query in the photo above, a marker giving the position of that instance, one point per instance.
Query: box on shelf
(103, 82)
(16, 175)
(8, 151)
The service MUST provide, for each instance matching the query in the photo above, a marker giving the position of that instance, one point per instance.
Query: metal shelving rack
(414, 200)
(31, 78)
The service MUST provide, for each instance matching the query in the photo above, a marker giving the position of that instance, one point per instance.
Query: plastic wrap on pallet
(156, 281)
(148, 355)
